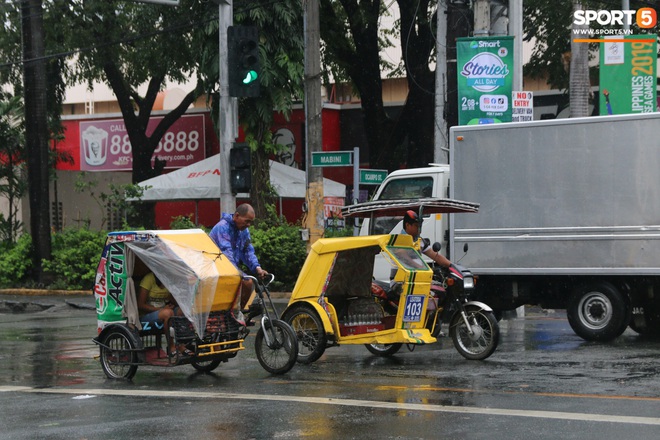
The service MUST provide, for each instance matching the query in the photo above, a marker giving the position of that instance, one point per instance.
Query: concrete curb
(44, 292)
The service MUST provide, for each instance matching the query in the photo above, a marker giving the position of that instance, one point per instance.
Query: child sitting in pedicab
(156, 303)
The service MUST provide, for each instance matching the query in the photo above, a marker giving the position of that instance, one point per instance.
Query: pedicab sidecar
(332, 302)
(205, 285)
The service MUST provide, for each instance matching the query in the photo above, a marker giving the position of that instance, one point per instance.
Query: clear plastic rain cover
(186, 272)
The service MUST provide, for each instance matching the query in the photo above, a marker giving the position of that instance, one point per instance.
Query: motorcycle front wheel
(480, 339)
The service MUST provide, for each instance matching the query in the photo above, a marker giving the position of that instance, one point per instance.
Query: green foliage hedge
(76, 254)
(281, 252)
(15, 263)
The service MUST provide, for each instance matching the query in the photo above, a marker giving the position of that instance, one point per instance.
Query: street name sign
(332, 159)
(372, 177)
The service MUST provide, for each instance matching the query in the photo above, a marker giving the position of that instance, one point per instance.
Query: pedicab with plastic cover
(206, 287)
(337, 301)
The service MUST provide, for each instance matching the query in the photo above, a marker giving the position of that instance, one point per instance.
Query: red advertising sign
(105, 146)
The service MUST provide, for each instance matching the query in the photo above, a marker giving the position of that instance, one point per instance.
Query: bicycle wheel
(118, 356)
(276, 346)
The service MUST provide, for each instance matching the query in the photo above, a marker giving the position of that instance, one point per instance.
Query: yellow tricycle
(336, 300)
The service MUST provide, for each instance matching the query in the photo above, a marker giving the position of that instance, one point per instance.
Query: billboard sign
(485, 79)
(105, 146)
(628, 71)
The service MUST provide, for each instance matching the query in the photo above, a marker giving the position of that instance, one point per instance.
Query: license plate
(413, 308)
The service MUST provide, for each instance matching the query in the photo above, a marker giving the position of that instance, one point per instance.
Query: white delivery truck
(569, 218)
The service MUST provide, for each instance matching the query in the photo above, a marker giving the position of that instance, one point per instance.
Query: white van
(431, 181)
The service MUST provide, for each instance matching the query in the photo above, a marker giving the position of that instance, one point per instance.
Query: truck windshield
(407, 188)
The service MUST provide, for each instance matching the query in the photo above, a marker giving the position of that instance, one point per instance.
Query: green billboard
(485, 79)
(628, 70)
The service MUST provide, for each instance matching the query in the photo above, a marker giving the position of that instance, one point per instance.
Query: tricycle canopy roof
(398, 207)
(187, 262)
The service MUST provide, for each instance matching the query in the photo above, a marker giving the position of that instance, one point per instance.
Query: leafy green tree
(281, 57)
(548, 26)
(352, 40)
(126, 45)
(12, 170)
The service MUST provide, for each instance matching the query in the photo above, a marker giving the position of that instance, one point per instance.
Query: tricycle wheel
(276, 346)
(205, 366)
(383, 349)
(309, 330)
(485, 333)
(118, 355)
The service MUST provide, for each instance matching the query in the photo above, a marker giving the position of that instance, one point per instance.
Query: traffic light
(243, 61)
(240, 164)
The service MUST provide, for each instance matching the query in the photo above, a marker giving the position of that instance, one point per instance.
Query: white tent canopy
(201, 180)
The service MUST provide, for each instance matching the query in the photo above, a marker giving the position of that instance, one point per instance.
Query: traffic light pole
(227, 122)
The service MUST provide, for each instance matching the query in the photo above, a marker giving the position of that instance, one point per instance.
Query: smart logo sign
(485, 79)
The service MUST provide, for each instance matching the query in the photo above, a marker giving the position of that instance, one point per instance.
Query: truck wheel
(598, 312)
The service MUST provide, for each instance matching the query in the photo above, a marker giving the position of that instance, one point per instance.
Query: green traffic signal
(250, 76)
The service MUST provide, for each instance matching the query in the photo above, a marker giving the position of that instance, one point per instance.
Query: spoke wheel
(478, 341)
(118, 359)
(276, 346)
(383, 349)
(309, 330)
(205, 366)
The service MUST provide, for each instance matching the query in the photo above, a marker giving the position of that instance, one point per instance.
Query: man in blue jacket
(232, 236)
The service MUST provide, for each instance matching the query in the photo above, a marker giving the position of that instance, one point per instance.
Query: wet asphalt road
(543, 382)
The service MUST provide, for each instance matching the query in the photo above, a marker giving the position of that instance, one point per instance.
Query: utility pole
(459, 21)
(228, 120)
(441, 150)
(516, 29)
(313, 127)
(481, 18)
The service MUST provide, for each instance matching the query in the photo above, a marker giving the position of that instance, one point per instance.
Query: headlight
(468, 283)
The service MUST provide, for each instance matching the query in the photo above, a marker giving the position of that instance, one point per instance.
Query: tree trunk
(36, 137)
